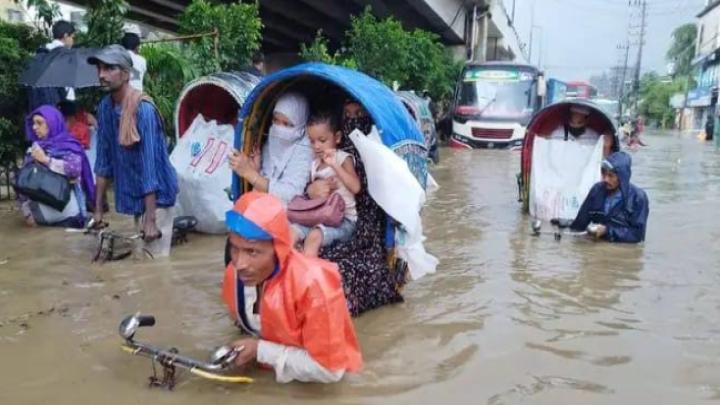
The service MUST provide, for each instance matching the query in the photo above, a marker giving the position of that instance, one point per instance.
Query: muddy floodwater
(508, 318)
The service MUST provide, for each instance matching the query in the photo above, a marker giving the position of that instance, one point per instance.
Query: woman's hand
(39, 155)
(322, 188)
(243, 165)
(255, 156)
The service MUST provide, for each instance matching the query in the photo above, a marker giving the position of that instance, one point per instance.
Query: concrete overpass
(289, 23)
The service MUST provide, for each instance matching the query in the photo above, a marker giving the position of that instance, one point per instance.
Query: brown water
(507, 319)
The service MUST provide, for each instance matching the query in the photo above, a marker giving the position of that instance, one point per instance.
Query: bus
(493, 104)
(580, 89)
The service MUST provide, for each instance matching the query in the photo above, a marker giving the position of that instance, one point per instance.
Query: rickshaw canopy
(389, 115)
(548, 118)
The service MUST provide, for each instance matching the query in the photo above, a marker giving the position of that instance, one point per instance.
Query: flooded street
(508, 318)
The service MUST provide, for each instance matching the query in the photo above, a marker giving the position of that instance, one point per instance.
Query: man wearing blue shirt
(132, 152)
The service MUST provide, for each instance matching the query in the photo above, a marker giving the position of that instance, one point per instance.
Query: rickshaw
(543, 123)
(215, 99)
(227, 90)
(419, 108)
(397, 131)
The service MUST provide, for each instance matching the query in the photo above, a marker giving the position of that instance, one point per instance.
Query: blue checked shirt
(139, 170)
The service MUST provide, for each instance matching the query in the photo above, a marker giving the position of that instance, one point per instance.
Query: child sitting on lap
(323, 129)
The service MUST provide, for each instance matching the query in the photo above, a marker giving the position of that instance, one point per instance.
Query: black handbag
(42, 185)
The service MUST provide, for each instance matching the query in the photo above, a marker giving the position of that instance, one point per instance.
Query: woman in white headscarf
(284, 169)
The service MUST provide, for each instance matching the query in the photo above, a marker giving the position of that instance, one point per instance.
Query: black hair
(130, 41)
(325, 117)
(62, 28)
(258, 57)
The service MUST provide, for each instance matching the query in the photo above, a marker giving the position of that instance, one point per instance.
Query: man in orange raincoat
(305, 329)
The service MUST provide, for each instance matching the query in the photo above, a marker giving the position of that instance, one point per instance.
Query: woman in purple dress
(54, 147)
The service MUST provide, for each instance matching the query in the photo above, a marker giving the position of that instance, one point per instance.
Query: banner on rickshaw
(561, 176)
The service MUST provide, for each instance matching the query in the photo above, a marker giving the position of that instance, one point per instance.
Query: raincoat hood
(625, 222)
(621, 163)
(260, 216)
(302, 303)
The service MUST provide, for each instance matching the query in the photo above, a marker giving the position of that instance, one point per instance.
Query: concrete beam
(446, 16)
(306, 17)
(338, 10)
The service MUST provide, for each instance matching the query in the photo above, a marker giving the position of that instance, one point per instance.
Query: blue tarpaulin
(388, 113)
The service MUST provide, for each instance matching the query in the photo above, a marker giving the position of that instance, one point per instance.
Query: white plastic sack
(561, 176)
(392, 185)
(201, 161)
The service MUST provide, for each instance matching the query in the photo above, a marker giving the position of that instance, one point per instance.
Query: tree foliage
(682, 49)
(655, 94)
(105, 20)
(17, 43)
(46, 12)
(238, 26)
(319, 51)
(168, 70)
(385, 50)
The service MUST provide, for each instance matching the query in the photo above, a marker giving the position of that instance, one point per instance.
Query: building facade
(702, 100)
(12, 12)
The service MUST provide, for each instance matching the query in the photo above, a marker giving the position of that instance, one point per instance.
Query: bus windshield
(497, 94)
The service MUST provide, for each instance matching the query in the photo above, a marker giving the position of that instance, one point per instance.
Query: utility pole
(621, 90)
(532, 26)
(642, 4)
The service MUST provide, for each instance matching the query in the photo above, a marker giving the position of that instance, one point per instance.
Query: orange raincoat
(303, 305)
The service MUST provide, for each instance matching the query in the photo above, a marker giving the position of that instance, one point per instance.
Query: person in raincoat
(306, 333)
(617, 207)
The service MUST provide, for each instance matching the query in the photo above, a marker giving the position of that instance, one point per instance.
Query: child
(325, 136)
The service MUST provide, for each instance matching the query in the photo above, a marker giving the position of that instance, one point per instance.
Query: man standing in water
(132, 153)
(617, 209)
(575, 129)
(306, 333)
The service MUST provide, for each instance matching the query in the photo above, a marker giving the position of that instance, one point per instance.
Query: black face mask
(364, 124)
(576, 131)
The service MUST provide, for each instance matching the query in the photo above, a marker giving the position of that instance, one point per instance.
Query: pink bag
(310, 212)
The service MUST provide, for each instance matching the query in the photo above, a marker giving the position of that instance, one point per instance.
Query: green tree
(682, 49)
(17, 43)
(168, 70)
(431, 66)
(319, 51)
(238, 26)
(655, 94)
(385, 50)
(46, 12)
(379, 47)
(105, 20)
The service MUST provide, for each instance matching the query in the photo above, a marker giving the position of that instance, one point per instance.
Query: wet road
(507, 319)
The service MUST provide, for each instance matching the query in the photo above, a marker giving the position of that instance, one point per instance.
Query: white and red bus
(494, 101)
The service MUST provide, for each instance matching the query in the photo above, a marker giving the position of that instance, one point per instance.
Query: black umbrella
(61, 67)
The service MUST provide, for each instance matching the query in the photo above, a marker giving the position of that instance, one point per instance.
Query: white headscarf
(281, 139)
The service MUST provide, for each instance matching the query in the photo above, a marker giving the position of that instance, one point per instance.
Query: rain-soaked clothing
(306, 333)
(625, 219)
